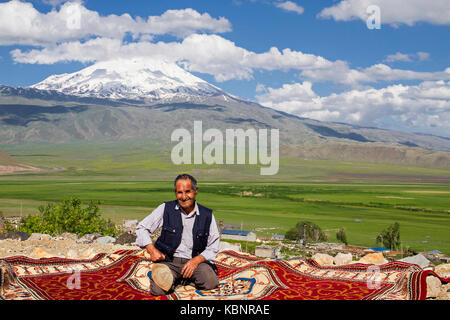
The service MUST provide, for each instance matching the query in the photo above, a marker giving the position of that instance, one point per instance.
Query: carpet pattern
(124, 275)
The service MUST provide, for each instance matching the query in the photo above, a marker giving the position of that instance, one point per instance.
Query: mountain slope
(126, 100)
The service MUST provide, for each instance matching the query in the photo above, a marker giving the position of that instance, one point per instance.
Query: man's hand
(191, 265)
(155, 254)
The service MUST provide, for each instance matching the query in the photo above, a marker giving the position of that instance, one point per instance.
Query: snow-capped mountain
(134, 79)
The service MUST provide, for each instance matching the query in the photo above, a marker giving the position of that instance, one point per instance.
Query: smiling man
(189, 241)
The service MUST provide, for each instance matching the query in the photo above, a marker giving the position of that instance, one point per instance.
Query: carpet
(124, 275)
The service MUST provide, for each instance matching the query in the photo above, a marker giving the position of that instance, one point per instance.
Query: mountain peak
(137, 78)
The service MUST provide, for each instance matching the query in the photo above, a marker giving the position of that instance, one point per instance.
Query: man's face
(185, 194)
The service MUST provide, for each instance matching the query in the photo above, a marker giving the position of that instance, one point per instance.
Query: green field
(266, 208)
(130, 181)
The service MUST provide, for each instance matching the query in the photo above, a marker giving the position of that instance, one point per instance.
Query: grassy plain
(131, 180)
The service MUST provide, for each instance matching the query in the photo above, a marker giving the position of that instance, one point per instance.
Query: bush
(68, 216)
(341, 236)
(390, 237)
(309, 229)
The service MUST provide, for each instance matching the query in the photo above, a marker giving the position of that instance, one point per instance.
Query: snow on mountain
(134, 79)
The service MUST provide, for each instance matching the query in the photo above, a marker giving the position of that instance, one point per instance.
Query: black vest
(172, 230)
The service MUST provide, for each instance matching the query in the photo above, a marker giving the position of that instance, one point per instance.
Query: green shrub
(390, 237)
(311, 231)
(68, 216)
(341, 236)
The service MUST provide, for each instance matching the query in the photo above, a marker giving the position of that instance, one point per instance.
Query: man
(188, 244)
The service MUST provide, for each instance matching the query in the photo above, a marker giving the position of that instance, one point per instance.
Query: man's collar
(196, 211)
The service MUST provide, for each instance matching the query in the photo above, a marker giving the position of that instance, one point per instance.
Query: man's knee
(205, 277)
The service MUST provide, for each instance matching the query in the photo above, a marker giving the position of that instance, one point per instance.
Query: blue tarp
(379, 249)
(235, 232)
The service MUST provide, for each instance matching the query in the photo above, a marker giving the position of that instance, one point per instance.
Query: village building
(238, 235)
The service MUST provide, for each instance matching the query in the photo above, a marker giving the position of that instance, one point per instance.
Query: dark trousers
(204, 277)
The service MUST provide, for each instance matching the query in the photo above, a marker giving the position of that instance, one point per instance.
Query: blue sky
(316, 59)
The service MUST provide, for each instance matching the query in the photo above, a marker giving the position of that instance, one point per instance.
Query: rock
(40, 236)
(67, 236)
(126, 238)
(41, 253)
(418, 259)
(327, 246)
(443, 270)
(323, 259)
(373, 258)
(106, 240)
(130, 224)
(229, 246)
(17, 235)
(267, 251)
(445, 292)
(342, 259)
(433, 287)
(89, 253)
(72, 254)
(89, 238)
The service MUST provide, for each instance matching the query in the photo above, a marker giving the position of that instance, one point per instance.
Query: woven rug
(124, 275)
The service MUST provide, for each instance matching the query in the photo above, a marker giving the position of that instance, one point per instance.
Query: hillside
(148, 100)
(10, 165)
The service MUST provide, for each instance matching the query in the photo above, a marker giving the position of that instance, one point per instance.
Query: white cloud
(21, 23)
(340, 72)
(222, 58)
(407, 57)
(289, 6)
(422, 56)
(202, 53)
(393, 12)
(424, 107)
(398, 57)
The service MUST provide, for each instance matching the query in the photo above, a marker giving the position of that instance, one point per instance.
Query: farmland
(130, 179)
(266, 208)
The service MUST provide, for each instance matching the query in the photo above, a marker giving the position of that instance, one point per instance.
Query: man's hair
(185, 176)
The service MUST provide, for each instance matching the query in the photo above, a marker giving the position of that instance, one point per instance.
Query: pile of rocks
(435, 288)
(66, 245)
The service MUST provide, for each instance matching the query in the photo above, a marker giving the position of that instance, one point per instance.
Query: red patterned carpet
(124, 275)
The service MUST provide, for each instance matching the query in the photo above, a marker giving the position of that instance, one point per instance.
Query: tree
(341, 236)
(68, 216)
(306, 230)
(390, 237)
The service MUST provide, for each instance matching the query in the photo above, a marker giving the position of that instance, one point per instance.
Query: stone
(130, 224)
(373, 258)
(17, 235)
(89, 238)
(41, 253)
(89, 253)
(342, 259)
(67, 236)
(433, 287)
(40, 236)
(418, 259)
(443, 270)
(72, 254)
(267, 251)
(106, 240)
(323, 259)
(445, 292)
(126, 238)
(230, 246)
